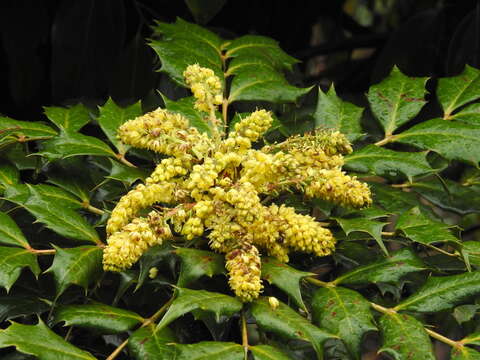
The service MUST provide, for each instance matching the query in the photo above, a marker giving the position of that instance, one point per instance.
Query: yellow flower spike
(254, 125)
(244, 270)
(205, 86)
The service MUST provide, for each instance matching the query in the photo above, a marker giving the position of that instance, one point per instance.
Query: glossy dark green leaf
(12, 306)
(442, 292)
(73, 185)
(456, 91)
(71, 144)
(334, 113)
(40, 341)
(469, 114)
(181, 44)
(126, 174)
(267, 84)
(389, 269)
(264, 49)
(464, 313)
(100, 317)
(444, 138)
(151, 258)
(69, 119)
(388, 163)
(148, 343)
(343, 312)
(284, 277)
(450, 195)
(78, 266)
(184, 106)
(404, 338)
(9, 174)
(419, 228)
(18, 154)
(112, 116)
(288, 323)
(10, 233)
(359, 224)
(12, 261)
(397, 99)
(267, 352)
(465, 353)
(214, 350)
(392, 199)
(204, 10)
(197, 263)
(187, 300)
(27, 129)
(54, 209)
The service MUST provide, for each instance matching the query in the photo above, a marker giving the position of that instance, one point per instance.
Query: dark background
(59, 52)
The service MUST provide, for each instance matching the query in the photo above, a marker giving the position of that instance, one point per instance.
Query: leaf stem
(92, 209)
(42, 252)
(122, 159)
(225, 113)
(244, 335)
(146, 322)
(317, 282)
(386, 140)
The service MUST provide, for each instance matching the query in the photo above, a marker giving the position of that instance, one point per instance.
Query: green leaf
(69, 119)
(12, 261)
(71, 144)
(18, 154)
(148, 343)
(465, 353)
(472, 339)
(12, 306)
(10, 233)
(397, 99)
(444, 138)
(334, 113)
(472, 250)
(470, 114)
(126, 174)
(419, 228)
(388, 270)
(287, 322)
(9, 174)
(464, 313)
(284, 277)
(79, 266)
(28, 129)
(265, 84)
(73, 185)
(267, 352)
(449, 195)
(184, 106)
(204, 10)
(393, 200)
(40, 341)
(197, 263)
(371, 227)
(182, 44)
(388, 163)
(112, 116)
(103, 318)
(264, 49)
(456, 91)
(55, 211)
(343, 312)
(188, 300)
(442, 293)
(152, 257)
(210, 350)
(404, 338)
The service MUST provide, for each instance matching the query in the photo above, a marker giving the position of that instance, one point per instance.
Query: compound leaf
(287, 322)
(103, 318)
(442, 292)
(404, 338)
(397, 99)
(197, 263)
(284, 277)
(343, 312)
(79, 266)
(187, 300)
(40, 341)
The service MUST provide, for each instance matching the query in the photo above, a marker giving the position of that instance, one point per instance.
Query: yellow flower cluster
(221, 188)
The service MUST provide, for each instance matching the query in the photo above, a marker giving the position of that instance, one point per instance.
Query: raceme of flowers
(217, 186)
